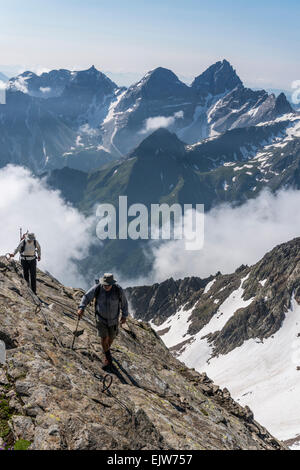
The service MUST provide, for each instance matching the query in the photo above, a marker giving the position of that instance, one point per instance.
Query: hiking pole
(22, 236)
(76, 333)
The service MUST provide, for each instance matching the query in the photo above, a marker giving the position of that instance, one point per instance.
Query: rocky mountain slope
(232, 167)
(243, 329)
(52, 398)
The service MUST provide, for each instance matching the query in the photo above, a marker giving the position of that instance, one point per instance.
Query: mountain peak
(217, 79)
(160, 141)
(162, 76)
(162, 73)
(92, 69)
(160, 83)
(91, 78)
(282, 106)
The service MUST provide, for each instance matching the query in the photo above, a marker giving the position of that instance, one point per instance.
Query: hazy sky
(260, 38)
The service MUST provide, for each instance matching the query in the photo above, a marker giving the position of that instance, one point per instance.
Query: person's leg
(106, 350)
(104, 335)
(25, 267)
(105, 343)
(33, 275)
(112, 332)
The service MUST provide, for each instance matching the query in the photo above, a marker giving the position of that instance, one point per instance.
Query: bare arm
(86, 299)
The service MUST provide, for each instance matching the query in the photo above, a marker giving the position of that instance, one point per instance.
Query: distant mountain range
(158, 141)
(84, 120)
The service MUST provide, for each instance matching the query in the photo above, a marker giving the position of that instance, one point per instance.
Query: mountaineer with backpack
(28, 248)
(110, 299)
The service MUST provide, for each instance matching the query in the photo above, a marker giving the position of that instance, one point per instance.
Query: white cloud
(37, 69)
(46, 89)
(40, 70)
(151, 124)
(233, 236)
(64, 234)
(21, 85)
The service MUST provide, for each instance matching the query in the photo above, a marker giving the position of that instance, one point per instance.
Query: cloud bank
(233, 236)
(64, 234)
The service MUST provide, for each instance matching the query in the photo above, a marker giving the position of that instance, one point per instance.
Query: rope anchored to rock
(106, 380)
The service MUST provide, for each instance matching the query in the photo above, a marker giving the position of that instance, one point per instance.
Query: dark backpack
(24, 244)
(97, 292)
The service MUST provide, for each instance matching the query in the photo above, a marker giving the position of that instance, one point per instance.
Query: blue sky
(260, 38)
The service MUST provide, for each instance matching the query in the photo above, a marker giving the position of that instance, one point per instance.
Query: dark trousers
(29, 268)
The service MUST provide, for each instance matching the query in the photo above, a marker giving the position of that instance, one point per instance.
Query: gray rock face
(30, 135)
(52, 396)
(85, 99)
(162, 300)
(52, 120)
(217, 79)
(216, 102)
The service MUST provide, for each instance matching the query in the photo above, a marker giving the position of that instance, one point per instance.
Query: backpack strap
(97, 292)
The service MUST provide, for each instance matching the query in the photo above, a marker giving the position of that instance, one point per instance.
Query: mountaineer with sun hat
(110, 300)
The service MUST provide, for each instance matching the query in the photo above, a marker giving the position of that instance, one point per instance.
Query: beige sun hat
(107, 280)
(30, 236)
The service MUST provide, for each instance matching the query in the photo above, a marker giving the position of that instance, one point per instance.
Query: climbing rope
(106, 380)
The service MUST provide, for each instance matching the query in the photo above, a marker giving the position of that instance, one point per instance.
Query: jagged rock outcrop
(217, 79)
(162, 300)
(51, 396)
(270, 285)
